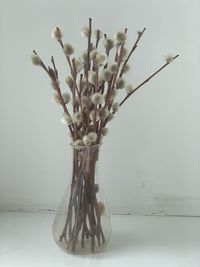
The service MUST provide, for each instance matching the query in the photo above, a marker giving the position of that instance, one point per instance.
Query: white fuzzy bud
(106, 75)
(77, 117)
(126, 68)
(78, 142)
(56, 34)
(55, 84)
(113, 67)
(84, 57)
(129, 88)
(85, 32)
(104, 131)
(115, 106)
(108, 43)
(68, 49)
(97, 33)
(97, 98)
(80, 134)
(100, 59)
(103, 113)
(113, 94)
(84, 85)
(93, 53)
(86, 141)
(120, 83)
(55, 98)
(69, 81)
(71, 138)
(92, 137)
(168, 58)
(75, 101)
(66, 97)
(92, 77)
(35, 60)
(92, 115)
(66, 119)
(119, 37)
(78, 65)
(101, 208)
(123, 52)
(110, 117)
(85, 100)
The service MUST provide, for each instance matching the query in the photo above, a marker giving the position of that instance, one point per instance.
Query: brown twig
(145, 81)
(132, 50)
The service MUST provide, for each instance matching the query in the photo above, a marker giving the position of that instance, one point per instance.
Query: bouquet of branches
(89, 104)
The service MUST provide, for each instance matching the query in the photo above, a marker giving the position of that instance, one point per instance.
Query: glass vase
(82, 222)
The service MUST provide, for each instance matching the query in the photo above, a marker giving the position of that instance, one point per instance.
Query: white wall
(150, 160)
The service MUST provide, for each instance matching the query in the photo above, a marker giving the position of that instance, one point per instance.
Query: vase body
(82, 222)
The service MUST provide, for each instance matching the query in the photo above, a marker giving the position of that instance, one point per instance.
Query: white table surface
(137, 241)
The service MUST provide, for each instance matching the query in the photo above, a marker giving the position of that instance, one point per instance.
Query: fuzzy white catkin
(119, 37)
(106, 75)
(78, 142)
(69, 81)
(85, 100)
(129, 88)
(97, 98)
(75, 101)
(92, 115)
(56, 33)
(77, 117)
(84, 85)
(104, 131)
(68, 49)
(126, 68)
(35, 60)
(96, 33)
(78, 65)
(66, 97)
(86, 141)
(113, 67)
(115, 106)
(55, 98)
(80, 134)
(168, 58)
(66, 119)
(113, 94)
(55, 85)
(123, 52)
(92, 137)
(110, 117)
(85, 32)
(100, 59)
(103, 113)
(93, 53)
(84, 57)
(108, 43)
(92, 77)
(120, 83)
(71, 139)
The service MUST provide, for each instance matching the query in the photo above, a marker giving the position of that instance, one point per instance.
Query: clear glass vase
(82, 222)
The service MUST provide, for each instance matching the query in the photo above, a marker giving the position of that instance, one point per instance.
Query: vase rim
(86, 147)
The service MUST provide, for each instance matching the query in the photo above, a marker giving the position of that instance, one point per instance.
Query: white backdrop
(150, 159)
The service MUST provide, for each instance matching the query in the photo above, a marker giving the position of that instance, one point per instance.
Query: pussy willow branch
(76, 87)
(145, 81)
(132, 50)
(57, 87)
(98, 38)
(89, 44)
(54, 67)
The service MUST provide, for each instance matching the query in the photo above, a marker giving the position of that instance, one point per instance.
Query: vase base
(78, 249)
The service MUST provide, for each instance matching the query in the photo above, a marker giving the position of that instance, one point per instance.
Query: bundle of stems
(89, 105)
